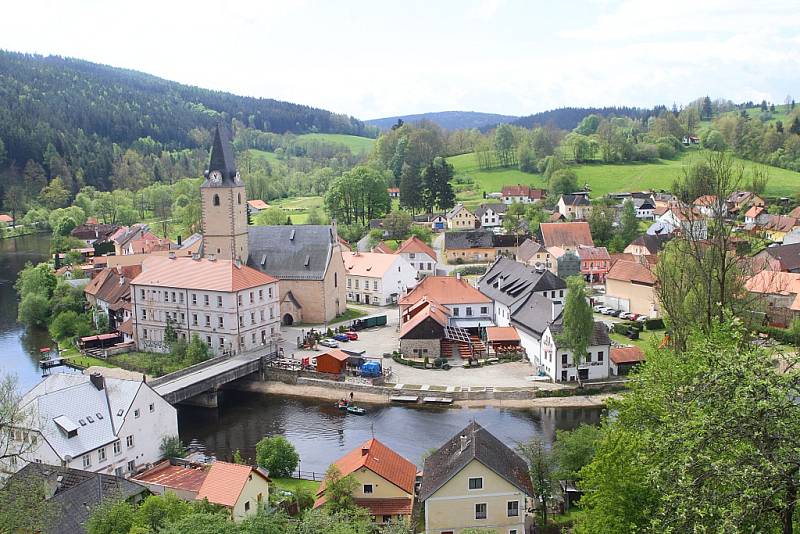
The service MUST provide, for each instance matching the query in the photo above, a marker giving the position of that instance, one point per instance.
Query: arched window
(216, 200)
(240, 198)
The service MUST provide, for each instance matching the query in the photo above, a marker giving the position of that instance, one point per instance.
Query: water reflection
(321, 433)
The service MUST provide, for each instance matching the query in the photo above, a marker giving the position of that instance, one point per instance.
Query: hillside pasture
(357, 145)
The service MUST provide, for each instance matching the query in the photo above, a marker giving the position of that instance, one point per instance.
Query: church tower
(224, 204)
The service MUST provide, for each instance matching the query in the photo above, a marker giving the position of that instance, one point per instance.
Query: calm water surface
(321, 433)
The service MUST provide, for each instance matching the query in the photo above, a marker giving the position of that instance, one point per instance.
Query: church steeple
(222, 166)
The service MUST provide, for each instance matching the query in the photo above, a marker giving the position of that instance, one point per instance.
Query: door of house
(583, 374)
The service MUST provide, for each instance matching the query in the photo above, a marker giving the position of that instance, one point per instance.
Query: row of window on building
(177, 297)
(159, 315)
(221, 340)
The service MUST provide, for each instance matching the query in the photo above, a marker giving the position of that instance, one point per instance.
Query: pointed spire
(222, 159)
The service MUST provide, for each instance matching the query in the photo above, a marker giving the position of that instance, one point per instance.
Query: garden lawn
(294, 484)
(356, 144)
(271, 157)
(349, 315)
(644, 341)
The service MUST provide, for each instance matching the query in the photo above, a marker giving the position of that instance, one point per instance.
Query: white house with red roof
(377, 278)
(419, 254)
(521, 193)
(385, 481)
(230, 306)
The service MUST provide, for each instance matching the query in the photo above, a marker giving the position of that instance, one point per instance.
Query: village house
(420, 255)
(123, 237)
(435, 221)
(231, 307)
(533, 253)
(711, 206)
(109, 294)
(740, 201)
(479, 246)
(689, 221)
(566, 263)
(630, 287)
(72, 494)
(647, 244)
(623, 359)
(381, 248)
(376, 278)
(491, 215)
(92, 422)
(241, 489)
(574, 207)
(506, 282)
(467, 306)
(394, 192)
(595, 263)
(524, 194)
(645, 207)
(422, 332)
(460, 218)
(256, 206)
(775, 227)
(785, 258)
(6, 220)
(756, 216)
(475, 481)
(385, 482)
(781, 291)
(567, 235)
(91, 233)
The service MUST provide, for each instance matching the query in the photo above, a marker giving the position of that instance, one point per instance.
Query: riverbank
(381, 396)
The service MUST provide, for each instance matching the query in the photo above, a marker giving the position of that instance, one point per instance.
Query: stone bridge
(200, 383)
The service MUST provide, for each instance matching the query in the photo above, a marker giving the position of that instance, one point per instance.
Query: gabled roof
(705, 200)
(520, 190)
(382, 248)
(6, 218)
(502, 333)
(73, 493)
(620, 355)
(533, 313)
(473, 443)
(507, 280)
(337, 354)
(201, 274)
(599, 332)
(431, 310)
(372, 264)
(417, 246)
(468, 239)
(101, 232)
(298, 252)
(795, 213)
(780, 223)
(777, 283)
(653, 243)
(568, 234)
(257, 204)
(187, 477)
(225, 482)
(593, 253)
(498, 208)
(787, 255)
(528, 249)
(444, 289)
(754, 212)
(457, 208)
(381, 460)
(631, 271)
(575, 200)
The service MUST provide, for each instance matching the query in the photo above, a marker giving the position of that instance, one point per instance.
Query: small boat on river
(356, 410)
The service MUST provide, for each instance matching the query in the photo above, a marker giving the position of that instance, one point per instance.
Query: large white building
(95, 423)
(420, 255)
(377, 278)
(230, 306)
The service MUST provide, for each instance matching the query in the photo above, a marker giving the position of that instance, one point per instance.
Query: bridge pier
(207, 399)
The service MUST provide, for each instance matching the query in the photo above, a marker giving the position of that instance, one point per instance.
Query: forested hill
(568, 118)
(81, 108)
(449, 120)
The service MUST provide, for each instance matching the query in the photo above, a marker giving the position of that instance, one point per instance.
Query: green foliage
(562, 182)
(172, 447)
(272, 216)
(37, 279)
(69, 325)
(578, 321)
(196, 352)
(158, 510)
(277, 455)
(629, 224)
(437, 191)
(34, 310)
(237, 457)
(358, 196)
(201, 523)
(574, 449)
(111, 517)
(398, 224)
(540, 464)
(601, 222)
(339, 491)
(23, 507)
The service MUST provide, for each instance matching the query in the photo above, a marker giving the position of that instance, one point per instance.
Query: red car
(352, 336)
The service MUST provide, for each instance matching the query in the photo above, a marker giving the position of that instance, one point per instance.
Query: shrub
(654, 324)
(172, 447)
(277, 456)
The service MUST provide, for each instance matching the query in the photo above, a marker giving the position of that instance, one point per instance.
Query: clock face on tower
(215, 176)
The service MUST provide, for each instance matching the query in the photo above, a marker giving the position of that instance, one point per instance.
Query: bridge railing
(187, 370)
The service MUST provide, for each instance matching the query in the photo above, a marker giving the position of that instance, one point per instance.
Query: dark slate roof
(295, 252)
(576, 200)
(788, 255)
(468, 239)
(222, 159)
(76, 493)
(506, 281)
(507, 240)
(497, 208)
(528, 249)
(480, 445)
(101, 232)
(653, 243)
(599, 334)
(533, 313)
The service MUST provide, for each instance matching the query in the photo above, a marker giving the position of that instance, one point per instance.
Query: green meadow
(357, 145)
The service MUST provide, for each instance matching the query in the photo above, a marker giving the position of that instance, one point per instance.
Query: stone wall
(407, 347)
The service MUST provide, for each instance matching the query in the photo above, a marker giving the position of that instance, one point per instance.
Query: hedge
(782, 335)
(469, 269)
(654, 324)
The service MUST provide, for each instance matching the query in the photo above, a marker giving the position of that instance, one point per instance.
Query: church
(306, 259)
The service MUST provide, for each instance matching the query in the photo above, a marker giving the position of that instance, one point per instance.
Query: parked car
(352, 336)
(607, 311)
(642, 318)
(597, 308)
(615, 313)
(328, 342)
(625, 315)
(341, 337)
(634, 316)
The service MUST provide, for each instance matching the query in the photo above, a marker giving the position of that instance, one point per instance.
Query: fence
(308, 475)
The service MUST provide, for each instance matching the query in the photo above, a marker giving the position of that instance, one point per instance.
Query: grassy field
(294, 484)
(298, 207)
(357, 145)
(263, 154)
(604, 178)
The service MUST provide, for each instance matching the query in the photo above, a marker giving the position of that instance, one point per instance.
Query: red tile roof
(382, 248)
(335, 353)
(382, 461)
(754, 212)
(188, 478)
(258, 204)
(446, 290)
(568, 234)
(705, 200)
(6, 218)
(501, 333)
(631, 271)
(373, 264)
(780, 223)
(416, 245)
(431, 309)
(593, 253)
(381, 507)
(202, 274)
(225, 482)
(627, 355)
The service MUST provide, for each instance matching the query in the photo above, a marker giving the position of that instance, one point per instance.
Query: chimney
(364, 451)
(464, 443)
(171, 255)
(458, 276)
(212, 257)
(122, 280)
(97, 381)
(238, 263)
(179, 240)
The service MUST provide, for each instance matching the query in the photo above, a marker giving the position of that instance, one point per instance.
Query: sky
(377, 58)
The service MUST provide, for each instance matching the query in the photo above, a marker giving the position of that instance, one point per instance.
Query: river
(320, 432)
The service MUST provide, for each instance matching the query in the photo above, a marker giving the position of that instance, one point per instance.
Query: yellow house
(460, 218)
(241, 489)
(475, 481)
(385, 481)
(630, 287)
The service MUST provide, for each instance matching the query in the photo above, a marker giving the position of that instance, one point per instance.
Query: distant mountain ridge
(449, 120)
(568, 118)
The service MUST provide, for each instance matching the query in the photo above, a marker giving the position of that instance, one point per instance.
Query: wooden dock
(52, 362)
(404, 398)
(437, 400)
